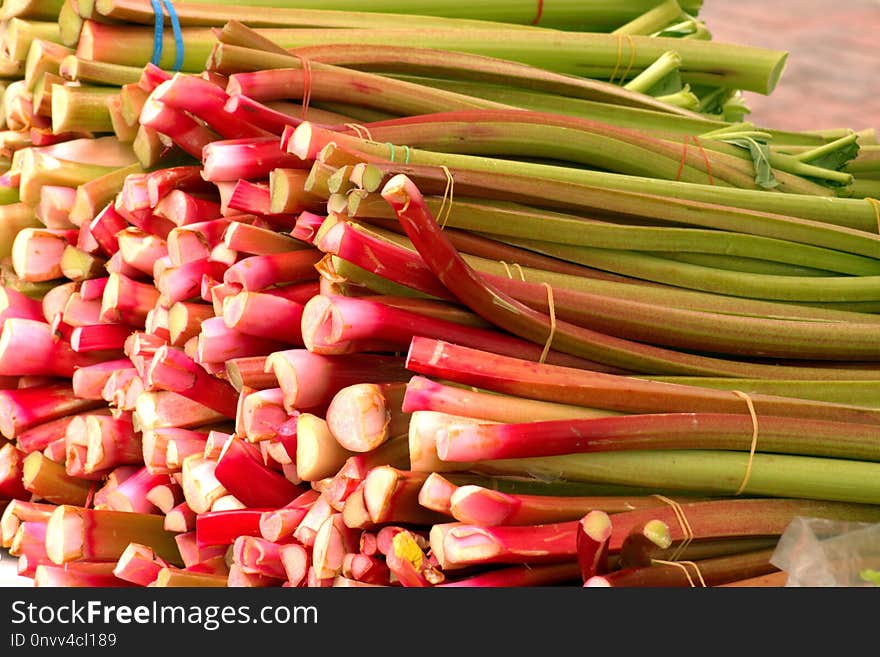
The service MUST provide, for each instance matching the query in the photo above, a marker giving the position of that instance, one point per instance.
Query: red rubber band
(540, 12)
(706, 158)
(684, 153)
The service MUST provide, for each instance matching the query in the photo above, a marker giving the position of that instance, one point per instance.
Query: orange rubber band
(552, 309)
(448, 195)
(705, 158)
(684, 152)
(754, 415)
(307, 84)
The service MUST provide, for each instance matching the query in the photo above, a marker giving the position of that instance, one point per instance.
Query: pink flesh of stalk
(247, 312)
(253, 159)
(310, 380)
(255, 273)
(257, 556)
(218, 344)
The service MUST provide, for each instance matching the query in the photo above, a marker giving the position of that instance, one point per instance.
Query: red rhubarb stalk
(470, 442)
(602, 390)
(594, 532)
(252, 482)
(311, 380)
(223, 527)
(171, 369)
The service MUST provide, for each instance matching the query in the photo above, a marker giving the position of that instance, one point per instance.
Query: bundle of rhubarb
(292, 307)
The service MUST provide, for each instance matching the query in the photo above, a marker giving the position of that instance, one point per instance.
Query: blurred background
(832, 76)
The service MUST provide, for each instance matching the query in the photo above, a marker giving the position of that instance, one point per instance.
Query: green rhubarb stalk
(43, 10)
(802, 289)
(499, 308)
(845, 225)
(714, 472)
(70, 24)
(43, 57)
(38, 169)
(211, 13)
(653, 20)
(95, 194)
(660, 323)
(604, 15)
(684, 98)
(739, 263)
(666, 64)
(864, 188)
(21, 33)
(852, 393)
(498, 132)
(132, 45)
(77, 69)
(81, 108)
(656, 123)
(505, 219)
(703, 62)
(235, 39)
(650, 294)
(827, 149)
(336, 84)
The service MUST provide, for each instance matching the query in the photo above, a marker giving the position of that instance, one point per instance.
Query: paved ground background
(832, 76)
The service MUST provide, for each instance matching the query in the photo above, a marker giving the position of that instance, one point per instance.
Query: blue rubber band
(158, 30)
(178, 36)
(159, 33)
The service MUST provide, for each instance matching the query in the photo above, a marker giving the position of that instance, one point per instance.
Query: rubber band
(307, 83)
(506, 269)
(876, 205)
(159, 33)
(754, 415)
(684, 153)
(619, 62)
(687, 532)
(448, 194)
(539, 13)
(178, 35)
(391, 147)
(407, 152)
(681, 564)
(632, 58)
(522, 274)
(619, 59)
(361, 130)
(705, 158)
(552, 310)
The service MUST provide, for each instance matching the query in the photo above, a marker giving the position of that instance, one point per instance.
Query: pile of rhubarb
(320, 297)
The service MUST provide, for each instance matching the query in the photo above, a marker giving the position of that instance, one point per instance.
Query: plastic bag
(818, 552)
